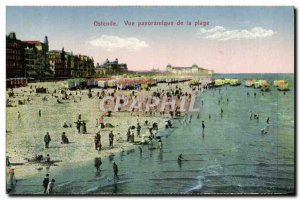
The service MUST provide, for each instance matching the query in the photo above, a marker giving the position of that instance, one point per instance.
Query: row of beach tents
(119, 83)
(263, 85)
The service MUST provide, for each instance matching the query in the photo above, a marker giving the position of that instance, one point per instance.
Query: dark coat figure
(98, 163)
(151, 133)
(111, 139)
(180, 158)
(169, 123)
(84, 127)
(116, 170)
(128, 135)
(46, 182)
(171, 114)
(138, 129)
(64, 138)
(47, 140)
(146, 122)
(40, 112)
(203, 125)
(48, 158)
(78, 124)
(154, 126)
(268, 120)
(7, 161)
(97, 141)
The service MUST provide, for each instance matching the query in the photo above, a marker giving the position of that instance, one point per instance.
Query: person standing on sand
(46, 182)
(138, 129)
(78, 124)
(132, 135)
(64, 138)
(203, 126)
(84, 127)
(97, 141)
(19, 115)
(111, 139)
(47, 140)
(7, 161)
(128, 135)
(101, 121)
(116, 170)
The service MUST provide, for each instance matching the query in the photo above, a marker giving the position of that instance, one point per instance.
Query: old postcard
(150, 100)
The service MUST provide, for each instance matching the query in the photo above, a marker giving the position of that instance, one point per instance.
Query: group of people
(81, 126)
(47, 139)
(133, 131)
(48, 185)
(97, 140)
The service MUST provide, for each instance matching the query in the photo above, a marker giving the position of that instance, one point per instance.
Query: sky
(235, 40)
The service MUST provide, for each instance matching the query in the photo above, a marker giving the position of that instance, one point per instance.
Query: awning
(31, 73)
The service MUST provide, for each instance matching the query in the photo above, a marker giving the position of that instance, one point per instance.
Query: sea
(230, 156)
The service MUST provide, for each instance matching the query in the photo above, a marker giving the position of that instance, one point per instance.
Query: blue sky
(72, 27)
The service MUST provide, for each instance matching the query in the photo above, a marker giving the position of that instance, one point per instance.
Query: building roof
(181, 67)
(33, 42)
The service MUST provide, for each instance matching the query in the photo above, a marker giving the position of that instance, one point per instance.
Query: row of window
(12, 51)
(14, 64)
(13, 57)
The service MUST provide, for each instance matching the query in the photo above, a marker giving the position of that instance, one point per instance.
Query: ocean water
(231, 156)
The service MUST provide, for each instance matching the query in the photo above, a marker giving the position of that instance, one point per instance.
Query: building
(111, 67)
(66, 65)
(35, 58)
(32, 59)
(58, 64)
(14, 57)
(193, 70)
(86, 66)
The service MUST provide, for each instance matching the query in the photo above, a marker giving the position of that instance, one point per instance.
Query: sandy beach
(24, 137)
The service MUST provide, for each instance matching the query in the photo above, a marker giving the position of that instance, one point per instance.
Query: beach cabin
(111, 84)
(219, 82)
(276, 83)
(16, 82)
(284, 86)
(194, 83)
(91, 83)
(102, 84)
(234, 82)
(76, 83)
(248, 83)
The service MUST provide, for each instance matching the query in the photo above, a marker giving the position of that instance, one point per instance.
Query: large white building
(193, 70)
